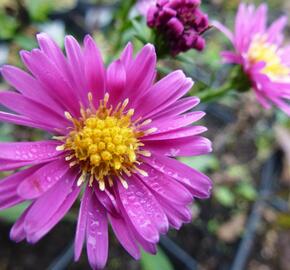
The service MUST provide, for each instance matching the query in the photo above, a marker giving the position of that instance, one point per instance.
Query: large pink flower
(116, 134)
(259, 50)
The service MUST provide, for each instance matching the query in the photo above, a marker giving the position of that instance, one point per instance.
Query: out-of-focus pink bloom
(180, 22)
(116, 133)
(144, 5)
(259, 50)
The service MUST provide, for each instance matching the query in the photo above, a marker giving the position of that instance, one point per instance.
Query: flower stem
(237, 81)
(214, 93)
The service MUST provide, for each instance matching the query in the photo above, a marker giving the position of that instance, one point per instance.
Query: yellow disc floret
(105, 143)
(261, 50)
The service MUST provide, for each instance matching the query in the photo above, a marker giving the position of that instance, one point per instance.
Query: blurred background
(246, 223)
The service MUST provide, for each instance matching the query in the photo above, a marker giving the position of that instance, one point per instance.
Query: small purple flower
(115, 135)
(180, 22)
(259, 50)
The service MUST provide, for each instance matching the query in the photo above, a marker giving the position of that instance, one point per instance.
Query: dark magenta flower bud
(180, 23)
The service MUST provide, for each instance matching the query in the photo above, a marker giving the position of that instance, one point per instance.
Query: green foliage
(6, 132)
(246, 190)
(12, 214)
(142, 32)
(39, 10)
(155, 262)
(239, 172)
(213, 226)
(25, 42)
(8, 24)
(264, 143)
(224, 196)
(202, 163)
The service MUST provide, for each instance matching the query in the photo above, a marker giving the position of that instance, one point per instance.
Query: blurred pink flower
(259, 50)
(116, 134)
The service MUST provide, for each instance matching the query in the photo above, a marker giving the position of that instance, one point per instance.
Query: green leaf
(8, 24)
(39, 10)
(6, 132)
(224, 196)
(25, 42)
(12, 214)
(213, 226)
(142, 31)
(155, 262)
(202, 163)
(246, 190)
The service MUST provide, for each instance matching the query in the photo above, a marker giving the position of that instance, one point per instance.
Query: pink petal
(94, 69)
(274, 33)
(198, 183)
(40, 213)
(29, 87)
(175, 134)
(43, 179)
(9, 185)
(261, 18)
(49, 75)
(76, 64)
(127, 56)
(139, 205)
(7, 165)
(189, 146)
(231, 57)
(284, 106)
(58, 215)
(147, 246)
(177, 215)
(285, 55)
(32, 109)
(97, 234)
(11, 182)
(29, 151)
(263, 100)
(124, 236)
(65, 66)
(163, 94)
(9, 199)
(82, 223)
(141, 74)
(17, 232)
(224, 30)
(24, 121)
(116, 81)
(53, 52)
(107, 200)
(165, 186)
(175, 122)
(179, 107)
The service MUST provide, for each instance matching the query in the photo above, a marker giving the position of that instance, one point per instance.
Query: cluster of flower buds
(180, 22)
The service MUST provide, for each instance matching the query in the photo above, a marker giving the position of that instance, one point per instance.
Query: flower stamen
(263, 51)
(105, 142)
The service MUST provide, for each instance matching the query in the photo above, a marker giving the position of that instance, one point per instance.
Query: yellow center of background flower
(261, 50)
(104, 142)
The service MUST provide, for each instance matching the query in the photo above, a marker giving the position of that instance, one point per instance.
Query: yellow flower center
(261, 50)
(105, 143)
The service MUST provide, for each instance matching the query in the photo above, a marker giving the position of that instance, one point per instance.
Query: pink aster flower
(115, 134)
(180, 23)
(259, 50)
